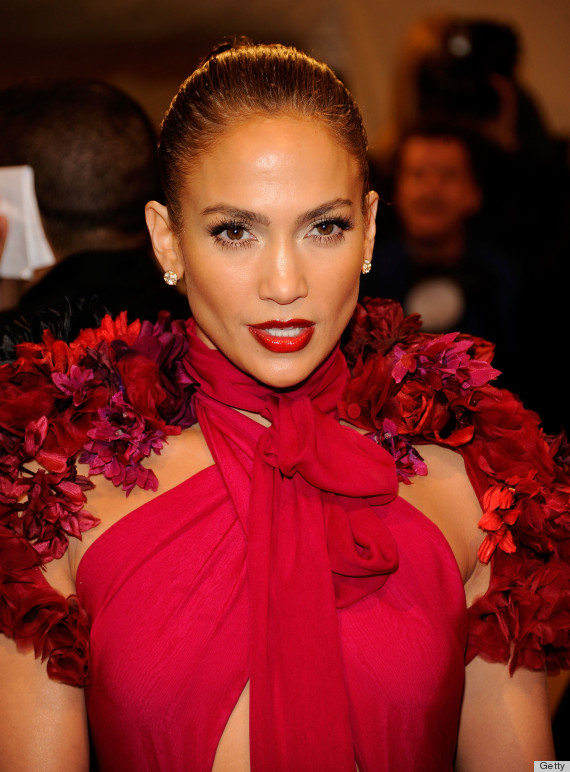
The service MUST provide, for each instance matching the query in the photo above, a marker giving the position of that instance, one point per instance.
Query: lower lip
(283, 344)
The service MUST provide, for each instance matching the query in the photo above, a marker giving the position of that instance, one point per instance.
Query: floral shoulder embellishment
(409, 388)
(111, 397)
(108, 399)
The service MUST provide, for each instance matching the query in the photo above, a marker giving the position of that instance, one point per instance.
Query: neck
(254, 417)
(223, 382)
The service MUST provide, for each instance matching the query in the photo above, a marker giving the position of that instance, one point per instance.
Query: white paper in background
(26, 246)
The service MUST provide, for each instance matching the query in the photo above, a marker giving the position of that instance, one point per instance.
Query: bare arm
(505, 720)
(505, 723)
(42, 723)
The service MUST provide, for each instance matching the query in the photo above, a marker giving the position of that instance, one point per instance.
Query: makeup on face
(283, 337)
(273, 244)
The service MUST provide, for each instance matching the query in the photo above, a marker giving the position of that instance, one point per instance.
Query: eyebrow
(261, 219)
(236, 214)
(322, 210)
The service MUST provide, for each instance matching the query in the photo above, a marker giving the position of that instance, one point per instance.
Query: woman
(274, 604)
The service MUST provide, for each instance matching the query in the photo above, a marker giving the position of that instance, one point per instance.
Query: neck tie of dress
(303, 489)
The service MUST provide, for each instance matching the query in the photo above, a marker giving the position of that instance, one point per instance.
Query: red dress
(343, 608)
(222, 619)
(166, 589)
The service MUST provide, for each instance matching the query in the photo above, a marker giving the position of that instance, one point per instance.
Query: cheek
(206, 284)
(205, 295)
(341, 288)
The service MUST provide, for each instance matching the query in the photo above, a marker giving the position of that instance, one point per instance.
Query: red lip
(283, 344)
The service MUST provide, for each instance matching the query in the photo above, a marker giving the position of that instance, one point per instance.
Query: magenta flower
(119, 440)
(408, 461)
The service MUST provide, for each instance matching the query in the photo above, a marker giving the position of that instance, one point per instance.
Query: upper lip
(282, 324)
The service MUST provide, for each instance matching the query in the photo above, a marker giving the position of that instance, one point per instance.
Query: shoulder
(103, 405)
(183, 456)
(445, 495)
(415, 390)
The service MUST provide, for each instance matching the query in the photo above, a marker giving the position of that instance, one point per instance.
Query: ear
(164, 240)
(370, 209)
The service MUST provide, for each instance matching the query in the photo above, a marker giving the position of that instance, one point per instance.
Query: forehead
(281, 151)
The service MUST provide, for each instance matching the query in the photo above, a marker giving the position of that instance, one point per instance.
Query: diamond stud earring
(366, 266)
(170, 278)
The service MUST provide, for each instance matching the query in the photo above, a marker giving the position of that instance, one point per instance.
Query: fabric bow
(303, 489)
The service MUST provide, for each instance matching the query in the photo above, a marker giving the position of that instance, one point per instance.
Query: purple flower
(443, 361)
(408, 461)
(75, 385)
(119, 440)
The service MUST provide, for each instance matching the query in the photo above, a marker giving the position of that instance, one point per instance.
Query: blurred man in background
(434, 264)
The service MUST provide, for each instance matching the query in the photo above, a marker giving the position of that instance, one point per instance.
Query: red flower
(53, 512)
(417, 409)
(25, 394)
(113, 393)
(141, 380)
(376, 325)
(166, 344)
(367, 393)
(499, 536)
(68, 646)
(560, 451)
(489, 633)
(110, 330)
(541, 617)
(17, 557)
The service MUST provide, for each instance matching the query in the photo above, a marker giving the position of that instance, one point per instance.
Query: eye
(231, 234)
(235, 233)
(330, 230)
(325, 228)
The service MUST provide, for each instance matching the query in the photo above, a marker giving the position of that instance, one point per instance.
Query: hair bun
(226, 44)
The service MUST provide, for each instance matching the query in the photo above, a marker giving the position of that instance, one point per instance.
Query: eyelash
(225, 225)
(343, 223)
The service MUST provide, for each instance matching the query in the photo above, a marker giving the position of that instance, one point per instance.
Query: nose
(282, 274)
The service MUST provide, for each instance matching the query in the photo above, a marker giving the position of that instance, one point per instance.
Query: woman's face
(272, 245)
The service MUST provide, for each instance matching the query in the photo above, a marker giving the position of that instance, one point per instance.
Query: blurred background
(147, 47)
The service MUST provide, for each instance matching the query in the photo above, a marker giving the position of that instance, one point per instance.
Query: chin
(285, 375)
(282, 380)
